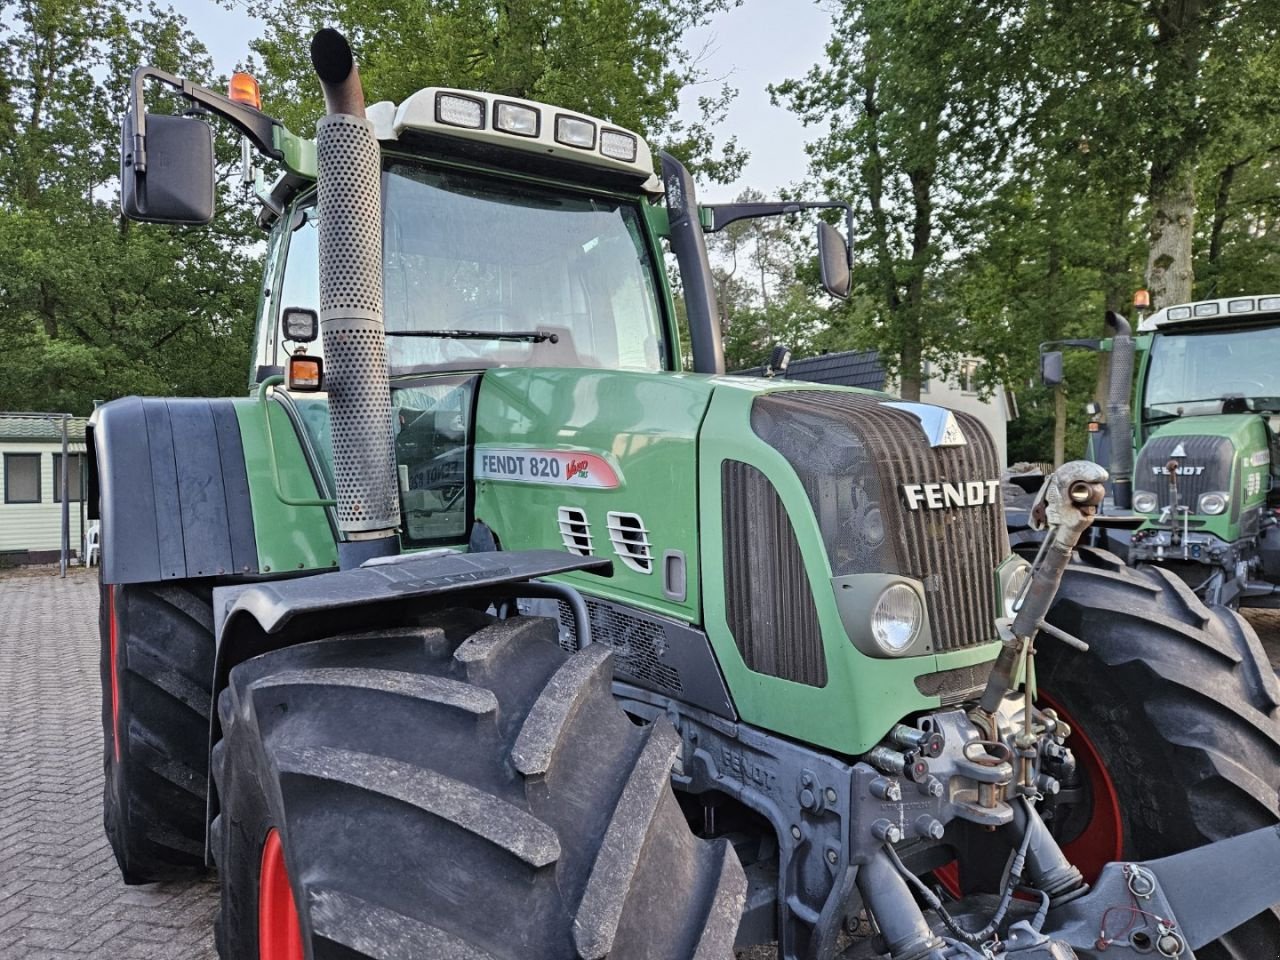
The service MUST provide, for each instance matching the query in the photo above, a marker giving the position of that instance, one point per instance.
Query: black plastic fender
(168, 482)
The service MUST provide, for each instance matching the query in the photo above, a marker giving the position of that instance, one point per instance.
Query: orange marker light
(244, 89)
(1142, 299)
(305, 373)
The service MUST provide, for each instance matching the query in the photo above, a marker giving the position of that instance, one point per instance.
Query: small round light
(896, 619)
(1213, 503)
(1013, 586)
(1145, 502)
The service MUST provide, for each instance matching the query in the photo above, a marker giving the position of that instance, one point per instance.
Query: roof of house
(851, 368)
(14, 427)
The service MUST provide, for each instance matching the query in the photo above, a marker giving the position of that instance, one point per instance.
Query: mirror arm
(723, 214)
(254, 124)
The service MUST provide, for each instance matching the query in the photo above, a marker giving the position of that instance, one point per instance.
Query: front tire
(157, 673)
(462, 789)
(1180, 708)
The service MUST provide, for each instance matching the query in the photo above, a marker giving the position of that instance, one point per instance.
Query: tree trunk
(1173, 210)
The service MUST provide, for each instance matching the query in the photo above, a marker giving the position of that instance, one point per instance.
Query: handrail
(273, 381)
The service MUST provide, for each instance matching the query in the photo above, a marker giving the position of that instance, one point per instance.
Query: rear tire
(155, 722)
(1181, 703)
(463, 789)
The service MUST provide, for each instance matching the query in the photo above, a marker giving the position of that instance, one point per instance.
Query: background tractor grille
(1215, 454)
(853, 454)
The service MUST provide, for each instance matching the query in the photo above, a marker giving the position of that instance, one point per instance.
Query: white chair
(91, 545)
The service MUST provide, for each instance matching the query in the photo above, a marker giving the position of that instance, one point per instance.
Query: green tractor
(1203, 446)
(519, 641)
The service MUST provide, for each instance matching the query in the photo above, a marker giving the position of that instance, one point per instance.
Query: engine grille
(853, 454)
(1215, 454)
(640, 645)
(768, 598)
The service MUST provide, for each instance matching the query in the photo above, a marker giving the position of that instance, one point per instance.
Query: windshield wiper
(516, 336)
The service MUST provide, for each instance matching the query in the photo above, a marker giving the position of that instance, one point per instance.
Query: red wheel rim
(279, 935)
(1102, 840)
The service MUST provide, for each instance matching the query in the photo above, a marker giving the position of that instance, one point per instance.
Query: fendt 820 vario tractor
(516, 641)
(1203, 440)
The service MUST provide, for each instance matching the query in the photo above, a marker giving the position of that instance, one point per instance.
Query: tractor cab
(1206, 444)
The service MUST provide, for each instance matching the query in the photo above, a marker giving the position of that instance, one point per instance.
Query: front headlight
(1212, 503)
(896, 619)
(1013, 586)
(1144, 501)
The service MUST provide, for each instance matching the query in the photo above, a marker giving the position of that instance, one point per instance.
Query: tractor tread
(154, 795)
(375, 931)
(440, 690)
(545, 726)
(406, 845)
(600, 911)
(473, 810)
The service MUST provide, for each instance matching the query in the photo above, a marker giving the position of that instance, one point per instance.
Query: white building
(30, 487)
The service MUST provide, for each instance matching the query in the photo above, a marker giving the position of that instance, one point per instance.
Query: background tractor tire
(464, 789)
(1181, 707)
(157, 672)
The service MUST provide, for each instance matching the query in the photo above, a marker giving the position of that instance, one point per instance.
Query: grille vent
(630, 541)
(639, 645)
(575, 531)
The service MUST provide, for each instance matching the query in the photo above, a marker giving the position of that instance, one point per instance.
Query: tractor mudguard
(250, 619)
(169, 485)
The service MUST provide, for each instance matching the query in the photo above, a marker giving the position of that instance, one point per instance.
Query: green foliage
(618, 59)
(92, 308)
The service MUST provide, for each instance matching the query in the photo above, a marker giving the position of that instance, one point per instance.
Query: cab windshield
(482, 272)
(1192, 374)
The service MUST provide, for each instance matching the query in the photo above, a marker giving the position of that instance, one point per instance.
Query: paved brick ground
(60, 894)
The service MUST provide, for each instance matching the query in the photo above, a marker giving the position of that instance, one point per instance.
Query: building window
(22, 478)
(969, 376)
(75, 468)
(925, 376)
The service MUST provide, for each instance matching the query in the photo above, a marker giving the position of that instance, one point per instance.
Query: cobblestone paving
(60, 893)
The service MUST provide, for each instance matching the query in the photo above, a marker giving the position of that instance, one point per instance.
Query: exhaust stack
(351, 313)
(1119, 416)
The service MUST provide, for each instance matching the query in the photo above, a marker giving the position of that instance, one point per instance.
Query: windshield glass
(532, 276)
(1191, 374)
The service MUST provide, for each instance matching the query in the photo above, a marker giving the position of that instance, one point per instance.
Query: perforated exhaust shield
(351, 322)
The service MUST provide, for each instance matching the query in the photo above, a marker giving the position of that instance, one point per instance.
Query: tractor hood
(1228, 454)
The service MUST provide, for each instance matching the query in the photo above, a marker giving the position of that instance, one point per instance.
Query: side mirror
(1051, 368)
(176, 186)
(833, 258)
(299, 325)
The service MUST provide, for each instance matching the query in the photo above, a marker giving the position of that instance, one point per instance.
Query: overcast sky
(758, 43)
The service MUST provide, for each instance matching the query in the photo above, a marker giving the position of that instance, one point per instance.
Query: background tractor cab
(1204, 443)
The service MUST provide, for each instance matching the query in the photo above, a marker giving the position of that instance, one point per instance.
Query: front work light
(1212, 504)
(516, 118)
(460, 111)
(896, 619)
(1144, 501)
(618, 145)
(575, 132)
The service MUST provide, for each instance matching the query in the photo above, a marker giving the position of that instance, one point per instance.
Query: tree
(913, 97)
(618, 59)
(92, 307)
